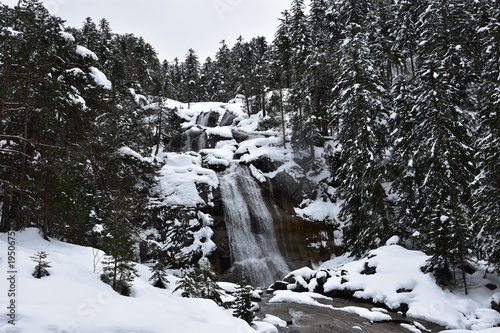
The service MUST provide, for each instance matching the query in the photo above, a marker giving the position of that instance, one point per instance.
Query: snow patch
(85, 52)
(100, 78)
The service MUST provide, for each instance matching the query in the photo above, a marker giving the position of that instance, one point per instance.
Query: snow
(366, 313)
(288, 296)
(83, 51)
(394, 240)
(74, 299)
(179, 177)
(319, 210)
(100, 78)
(398, 280)
(75, 71)
(126, 151)
(488, 330)
(224, 132)
(67, 36)
(276, 321)
(11, 31)
(264, 327)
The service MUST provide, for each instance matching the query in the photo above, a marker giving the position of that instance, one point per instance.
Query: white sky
(174, 26)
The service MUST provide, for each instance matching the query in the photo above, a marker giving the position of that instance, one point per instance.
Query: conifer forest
(391, 106)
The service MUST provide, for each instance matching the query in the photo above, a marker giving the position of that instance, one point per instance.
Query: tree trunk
(282, 112)
(115, 271)
(22, 174)
(158, 132)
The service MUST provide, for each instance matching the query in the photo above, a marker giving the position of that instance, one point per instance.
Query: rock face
(288, 238)
(208, 119)
(296, 188)
(293, 234)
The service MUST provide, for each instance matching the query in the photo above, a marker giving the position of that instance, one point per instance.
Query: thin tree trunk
(282, 118)
(22, 173)
(158, 138)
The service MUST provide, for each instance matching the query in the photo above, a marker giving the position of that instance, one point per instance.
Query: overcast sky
(174, 26)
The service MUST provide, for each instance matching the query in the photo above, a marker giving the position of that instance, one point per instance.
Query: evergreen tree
(47, 96)
(360, 114)
(41, 265)
(435, 155)
(191, 77)
(200, 282)
(118, 267)
(283, 51)
(224, 74)
(159, 274)
(487, 183)
(243, 307)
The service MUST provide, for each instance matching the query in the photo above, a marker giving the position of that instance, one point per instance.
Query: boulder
(227, 119)
(264, 163)
(279, 285)
(297, 188)
(208, 119)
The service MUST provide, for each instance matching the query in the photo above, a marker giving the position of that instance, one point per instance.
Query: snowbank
(73, 298)
(179, 178)
(392, 275)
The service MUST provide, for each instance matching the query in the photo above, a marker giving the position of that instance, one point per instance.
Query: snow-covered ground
(74, 300)
(394, 278)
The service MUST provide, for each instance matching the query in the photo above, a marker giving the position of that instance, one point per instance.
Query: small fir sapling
(200, 282)
(243, 306)
(42, 265)
(159, 275)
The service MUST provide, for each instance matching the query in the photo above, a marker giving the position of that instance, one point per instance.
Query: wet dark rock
(195, 139)
(264, 163)
(221, 257)
(495, 305)
(299, 286)
(469, 268)
(208, 119)
(491, 286)
(214, 139)
(404, 290)
(227, 119)
(297, 188)
(368, 270)
(241, 136)
(279, 285)
(403, 308)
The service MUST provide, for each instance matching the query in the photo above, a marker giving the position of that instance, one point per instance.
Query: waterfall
(250, 228)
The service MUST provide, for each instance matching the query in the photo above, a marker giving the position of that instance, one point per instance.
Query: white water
(250, 227)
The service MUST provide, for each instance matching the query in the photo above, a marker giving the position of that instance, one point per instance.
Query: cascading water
(250, 228)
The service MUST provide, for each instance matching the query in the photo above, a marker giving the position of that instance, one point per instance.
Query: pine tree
(191, 77)
(159, 274)
(283, 51)
(434, 152)
(243, 307)
(43, 99)
(360, 114)
(41, 265)
(200, 282)
(118, 267)
(487, 183)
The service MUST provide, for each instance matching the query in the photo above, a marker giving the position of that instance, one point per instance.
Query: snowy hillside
(391, 277)
(74, 299)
